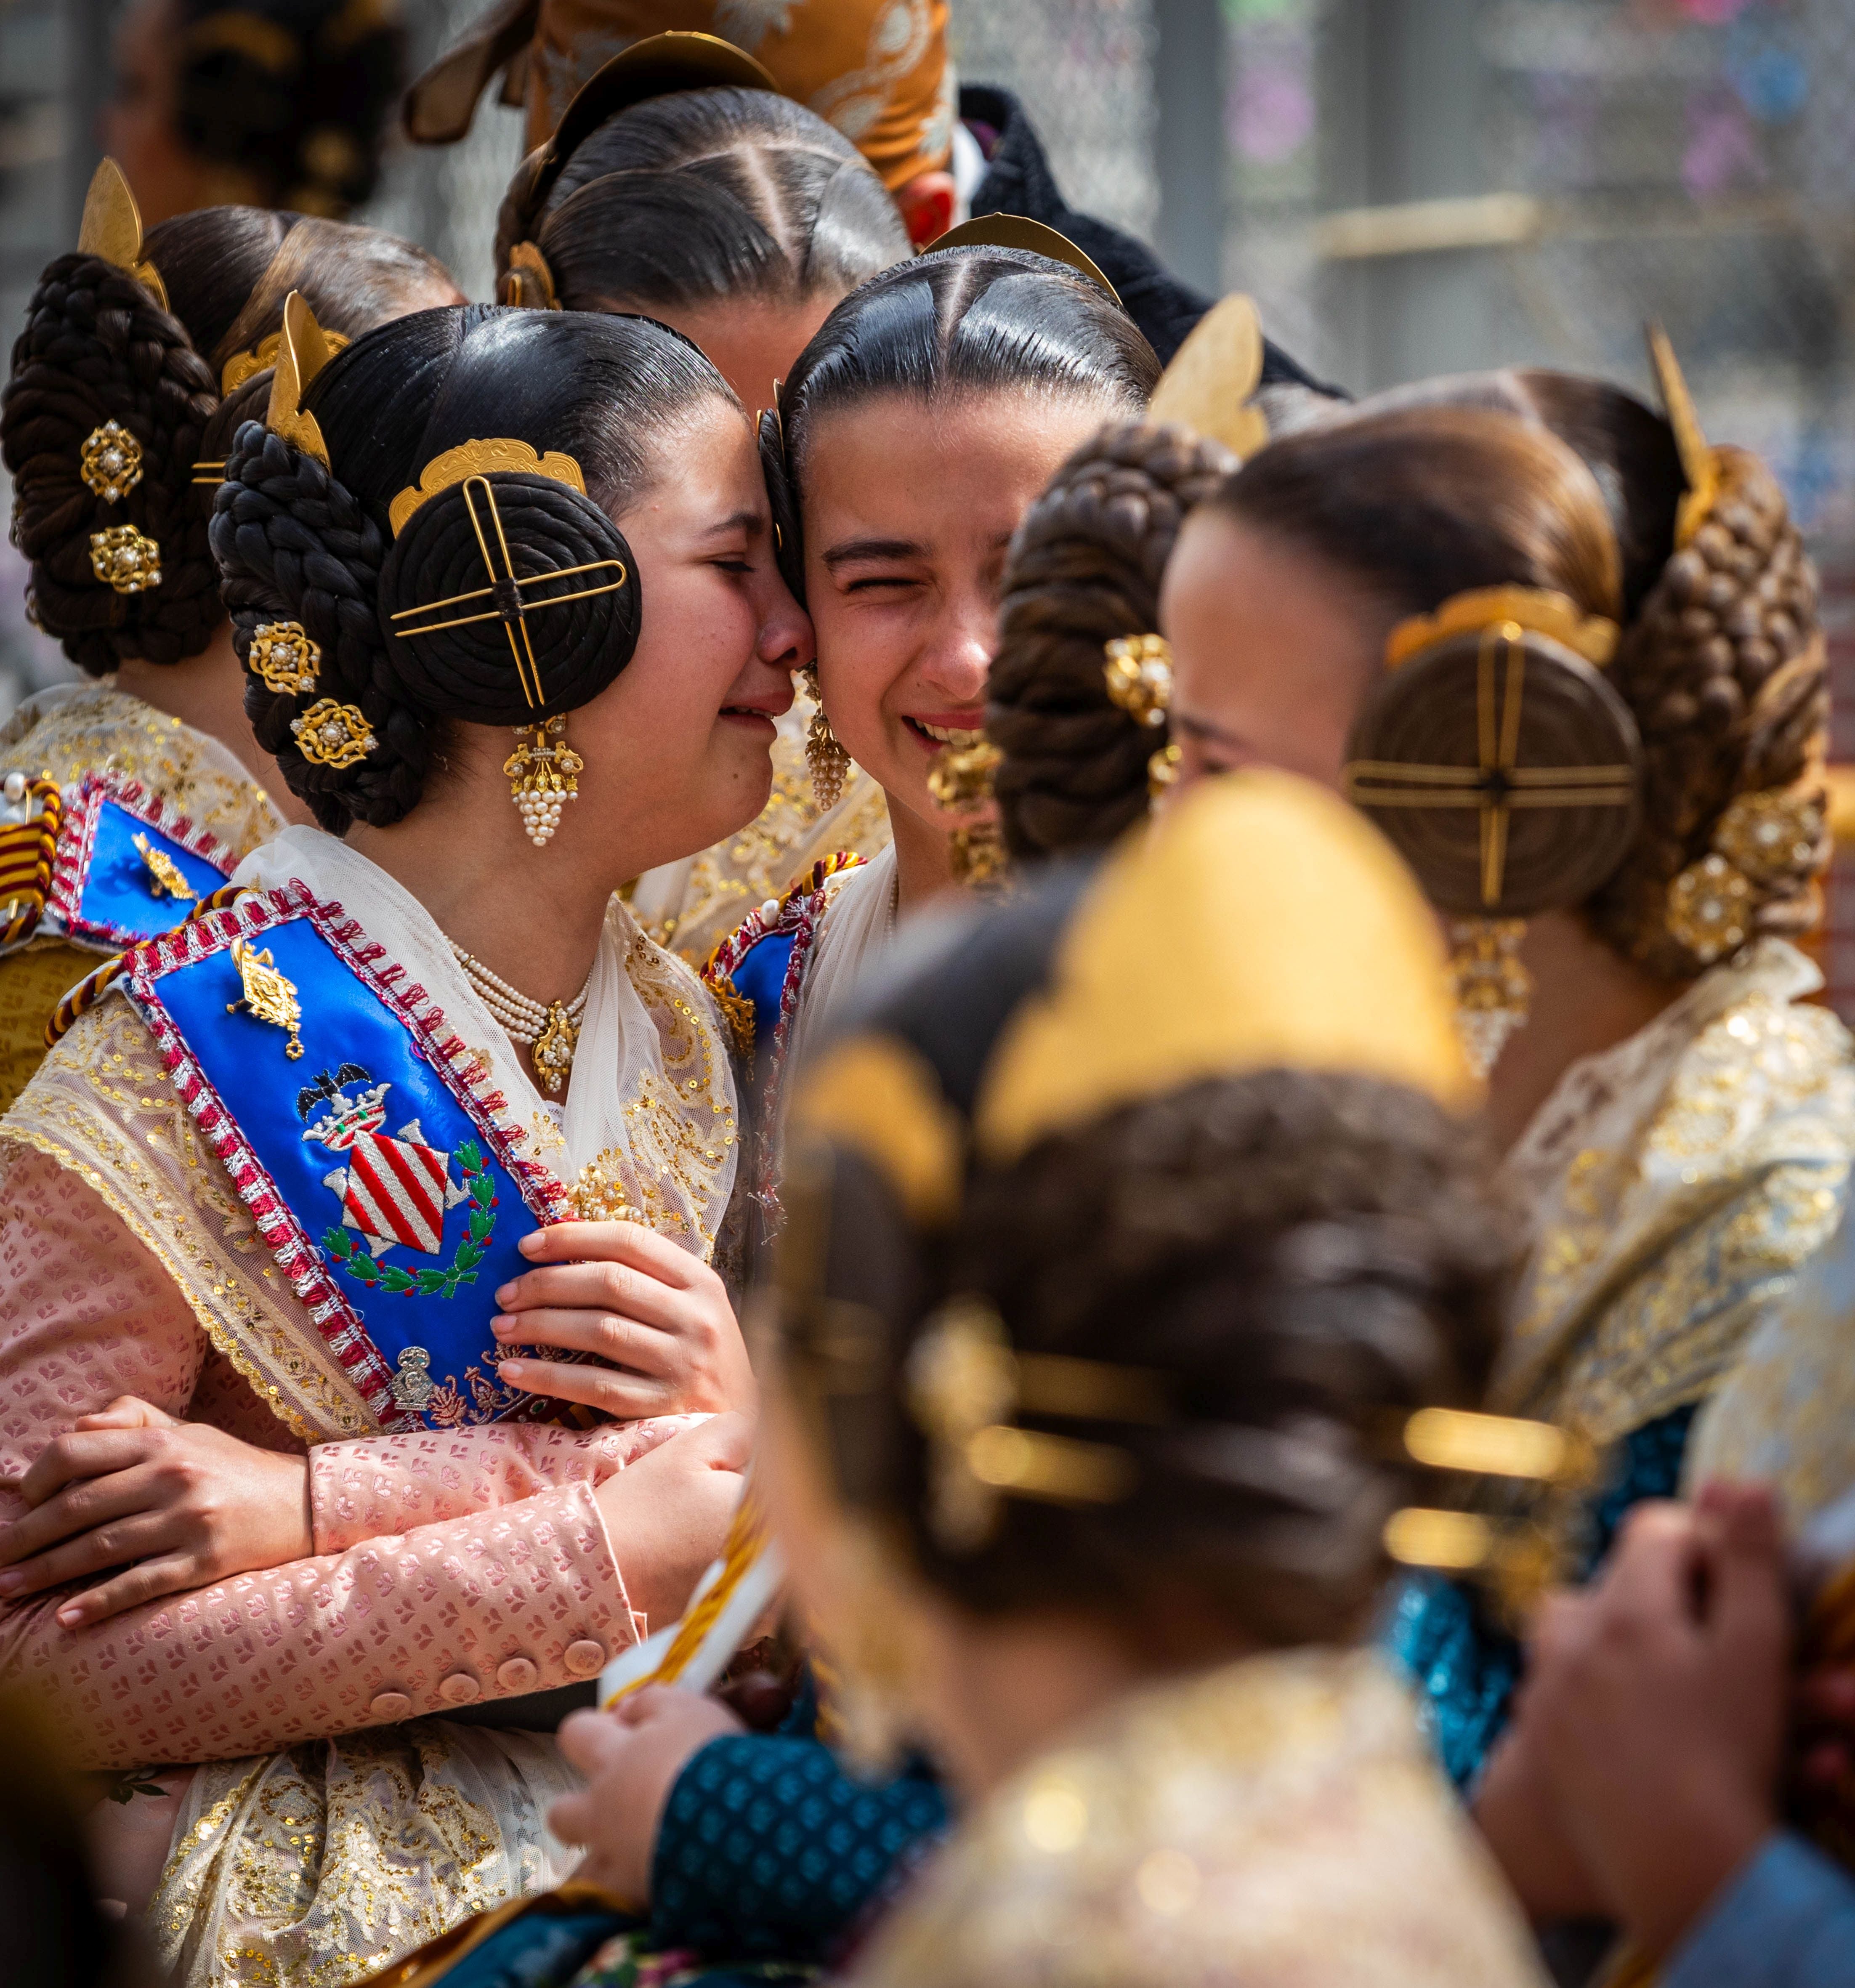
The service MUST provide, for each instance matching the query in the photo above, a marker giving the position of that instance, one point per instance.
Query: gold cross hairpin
(1496, 784)
(505, 587)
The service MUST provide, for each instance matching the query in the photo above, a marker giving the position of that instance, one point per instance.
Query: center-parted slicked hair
(700, 195)
(299, 543)
(961, 321)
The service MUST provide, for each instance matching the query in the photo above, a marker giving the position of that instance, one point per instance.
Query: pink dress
(449, 1567)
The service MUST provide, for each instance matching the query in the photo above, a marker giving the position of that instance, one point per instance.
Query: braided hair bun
(300, 542)
(98, 348)
(1085, 567)
(1726, 671)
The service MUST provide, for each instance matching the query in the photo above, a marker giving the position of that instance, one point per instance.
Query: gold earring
(543, 772)
(1494, 992)
(826, 760)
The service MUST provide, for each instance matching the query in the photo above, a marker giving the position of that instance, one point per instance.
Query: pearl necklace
(550, 1030)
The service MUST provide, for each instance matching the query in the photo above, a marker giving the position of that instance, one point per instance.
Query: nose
(958, 658)
(786, 638)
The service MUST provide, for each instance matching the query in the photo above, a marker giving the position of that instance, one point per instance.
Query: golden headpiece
(1207, 388)
(1700, 464)
(112, 228)
(1017, 231)
(303, 351)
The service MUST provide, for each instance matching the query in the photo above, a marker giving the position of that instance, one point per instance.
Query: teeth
(951, 735)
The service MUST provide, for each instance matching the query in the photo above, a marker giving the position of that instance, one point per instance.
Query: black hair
(293, 95)
(959, 320)
(699, 195)
(315, 545)
(98, 347)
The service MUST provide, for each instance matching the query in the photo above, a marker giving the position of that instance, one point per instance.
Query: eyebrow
(872, 549)
(1202, 727)
(746, 520)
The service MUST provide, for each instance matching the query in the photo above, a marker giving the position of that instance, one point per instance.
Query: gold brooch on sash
(164, 877)
(268, 996)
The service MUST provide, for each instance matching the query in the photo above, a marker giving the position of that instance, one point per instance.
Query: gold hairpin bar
(512, 609)
(206, 471)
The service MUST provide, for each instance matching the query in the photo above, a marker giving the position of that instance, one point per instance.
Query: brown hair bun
(1426, 756)
(1085, 567)
(1725, 669)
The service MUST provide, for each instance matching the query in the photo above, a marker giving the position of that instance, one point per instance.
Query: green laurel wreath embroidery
(345, 1245)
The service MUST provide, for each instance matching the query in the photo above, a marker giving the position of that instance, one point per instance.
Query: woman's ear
(927, 203)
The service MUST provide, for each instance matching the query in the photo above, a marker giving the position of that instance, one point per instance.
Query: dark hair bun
(1085, 567)
(1436, 713)
(98, 348)
(465, 672)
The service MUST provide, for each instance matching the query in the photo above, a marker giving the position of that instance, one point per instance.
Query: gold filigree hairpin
(112, 228)
(243, 366)
(506, 585)
(301, 353)
(1138, 674)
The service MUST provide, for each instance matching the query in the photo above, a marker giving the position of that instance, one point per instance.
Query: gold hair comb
(301, 353)
(112, 228)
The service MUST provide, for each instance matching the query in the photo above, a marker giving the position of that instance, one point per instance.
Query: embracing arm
(523, 1597)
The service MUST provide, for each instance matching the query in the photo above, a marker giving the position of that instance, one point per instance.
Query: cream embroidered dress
(326, 1835)
(63, 733)
(1675, 1184)
(1276, 1824)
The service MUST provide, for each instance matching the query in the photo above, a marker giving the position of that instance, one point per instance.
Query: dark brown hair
(97, 347)
(1720, 660)
(1296, 1261)
(700, 195)
(1085, 567)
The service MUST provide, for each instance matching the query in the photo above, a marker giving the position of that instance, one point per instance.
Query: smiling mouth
(746, 711)
(946, 734)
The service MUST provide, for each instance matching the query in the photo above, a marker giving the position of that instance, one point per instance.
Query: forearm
(523, 1598)
(392, 1483)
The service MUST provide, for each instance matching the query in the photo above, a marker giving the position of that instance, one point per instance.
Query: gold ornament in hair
(1700, 463)
(967, 1386)
(479, 459)
(1207, 387)
(1493, 988)
(126, 559)
(1018, 231)
(110, 461)
(301, 353)
(112, 228)
(1538, 610)
(528, 270)
(329, 734)
(1760, 838)
(244, 366)
(1138, 673)
(283, 655)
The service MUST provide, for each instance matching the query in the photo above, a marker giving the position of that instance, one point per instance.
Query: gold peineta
(470, 459)
(1207, 387)
(528, 283)
(1700, 463)
(244, 366)
(112, 228)
(1537, 610)
(301, 353)
(1017, 231)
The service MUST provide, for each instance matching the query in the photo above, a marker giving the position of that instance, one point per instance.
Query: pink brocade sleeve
(523, 1597)
(389, 1482)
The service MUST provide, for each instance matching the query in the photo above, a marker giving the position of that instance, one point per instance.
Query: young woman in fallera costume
(917, 429)
(139, 360)
(313, 1152)
(1657, 889)
(681, 185)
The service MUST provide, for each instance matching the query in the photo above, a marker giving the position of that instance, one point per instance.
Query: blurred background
(1406, 187)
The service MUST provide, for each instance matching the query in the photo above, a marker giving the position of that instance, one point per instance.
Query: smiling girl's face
(910, 504)
(679, 747)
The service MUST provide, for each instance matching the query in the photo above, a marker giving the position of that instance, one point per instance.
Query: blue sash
(130, 865)
(354, 1122)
